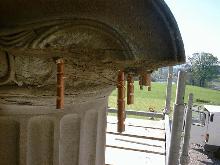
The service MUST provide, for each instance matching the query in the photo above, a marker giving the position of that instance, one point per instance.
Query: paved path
(142, 143)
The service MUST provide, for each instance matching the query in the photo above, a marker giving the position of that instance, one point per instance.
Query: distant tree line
(202, 68)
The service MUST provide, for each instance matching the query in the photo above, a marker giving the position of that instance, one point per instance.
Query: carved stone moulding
(147, 27)
(88, 53)
(36, 135)
(95, 39)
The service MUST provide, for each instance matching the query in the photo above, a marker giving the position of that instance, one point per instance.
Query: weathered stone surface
(43, 135)
(95, 38)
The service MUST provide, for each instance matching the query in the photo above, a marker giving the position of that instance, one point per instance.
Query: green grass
(156, 98)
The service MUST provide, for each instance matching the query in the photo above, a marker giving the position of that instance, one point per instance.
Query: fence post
(169, 90)
(184, 159)
(178, 113)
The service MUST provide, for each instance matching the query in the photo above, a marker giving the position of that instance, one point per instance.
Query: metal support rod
(121, 101)
(138, 113)
(169, 90)
(130, 90)
(184, 159)
(176, 131)
(60, 84)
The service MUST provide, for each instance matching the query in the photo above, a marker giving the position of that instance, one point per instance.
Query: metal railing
(139, 113)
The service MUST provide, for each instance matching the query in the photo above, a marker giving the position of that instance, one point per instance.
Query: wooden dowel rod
(60, 84)
(121, 101)
(145, 80)
(148, 81)
(141, 82)
(130, 90)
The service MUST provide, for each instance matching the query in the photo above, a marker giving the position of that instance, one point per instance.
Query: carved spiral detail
(39, 35)
(36, 45)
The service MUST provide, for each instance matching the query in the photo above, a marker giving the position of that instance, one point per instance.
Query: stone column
(95, 40)
(43, 135)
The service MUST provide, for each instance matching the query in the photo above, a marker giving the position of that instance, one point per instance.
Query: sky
(199, 24)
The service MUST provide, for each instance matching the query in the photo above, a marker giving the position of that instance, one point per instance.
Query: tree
(204, 68)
